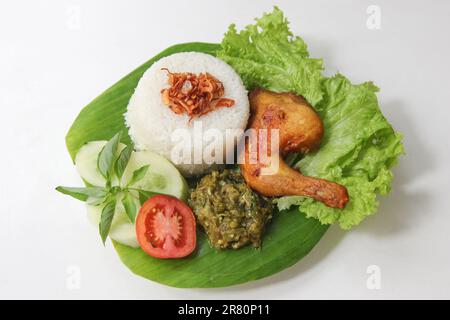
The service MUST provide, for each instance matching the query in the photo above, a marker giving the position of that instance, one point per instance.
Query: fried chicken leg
(300, 130)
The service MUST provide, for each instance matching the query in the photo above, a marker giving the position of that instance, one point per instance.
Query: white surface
(49, 70)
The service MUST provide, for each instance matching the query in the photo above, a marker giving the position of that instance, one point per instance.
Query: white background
(50, 69)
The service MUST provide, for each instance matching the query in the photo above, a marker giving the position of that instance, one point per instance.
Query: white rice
(151, 122)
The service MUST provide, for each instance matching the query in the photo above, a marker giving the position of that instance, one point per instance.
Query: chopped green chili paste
(232, 214)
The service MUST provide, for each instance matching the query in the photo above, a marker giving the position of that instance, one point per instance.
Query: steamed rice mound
(151, 123)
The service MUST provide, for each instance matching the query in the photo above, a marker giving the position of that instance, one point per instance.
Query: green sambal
(232, 214)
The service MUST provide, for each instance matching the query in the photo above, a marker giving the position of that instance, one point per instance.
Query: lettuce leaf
(267, 55)
(358, 149)
(359, 146)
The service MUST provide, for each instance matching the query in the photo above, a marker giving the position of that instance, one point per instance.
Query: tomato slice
(165, 227)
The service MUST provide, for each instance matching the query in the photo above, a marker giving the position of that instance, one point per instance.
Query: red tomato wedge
(165, 227)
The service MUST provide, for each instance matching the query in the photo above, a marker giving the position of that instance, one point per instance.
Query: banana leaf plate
(289, 237)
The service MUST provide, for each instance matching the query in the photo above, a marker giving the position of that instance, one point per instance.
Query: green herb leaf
(106, 218)
(83, 194)
(107, 156)
(144, 195)
(122, 161)
(96, 201)
(130, 206)
(139, 174)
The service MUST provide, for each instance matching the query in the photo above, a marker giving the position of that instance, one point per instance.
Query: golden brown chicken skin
(300, 130)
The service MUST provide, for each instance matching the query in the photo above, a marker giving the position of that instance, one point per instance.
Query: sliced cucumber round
(86, 162)
(161, 177)
(122, 229)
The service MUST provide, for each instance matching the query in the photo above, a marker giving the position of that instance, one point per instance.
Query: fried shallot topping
(193, 94)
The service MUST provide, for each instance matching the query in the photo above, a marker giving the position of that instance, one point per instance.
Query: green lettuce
(359, 146)
(267, 55)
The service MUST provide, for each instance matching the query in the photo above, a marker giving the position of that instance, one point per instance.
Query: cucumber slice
(86, 163)
(162, 176)
(122, 230)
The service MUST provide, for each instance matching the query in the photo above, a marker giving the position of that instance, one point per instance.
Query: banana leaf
(289, 237)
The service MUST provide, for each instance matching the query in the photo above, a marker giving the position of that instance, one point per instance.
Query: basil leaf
(130, 206)
(144, 195)
(96, 201)
(107, 156)
(139, 174)
(106, 219)
(83, 193)
(122, 161)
